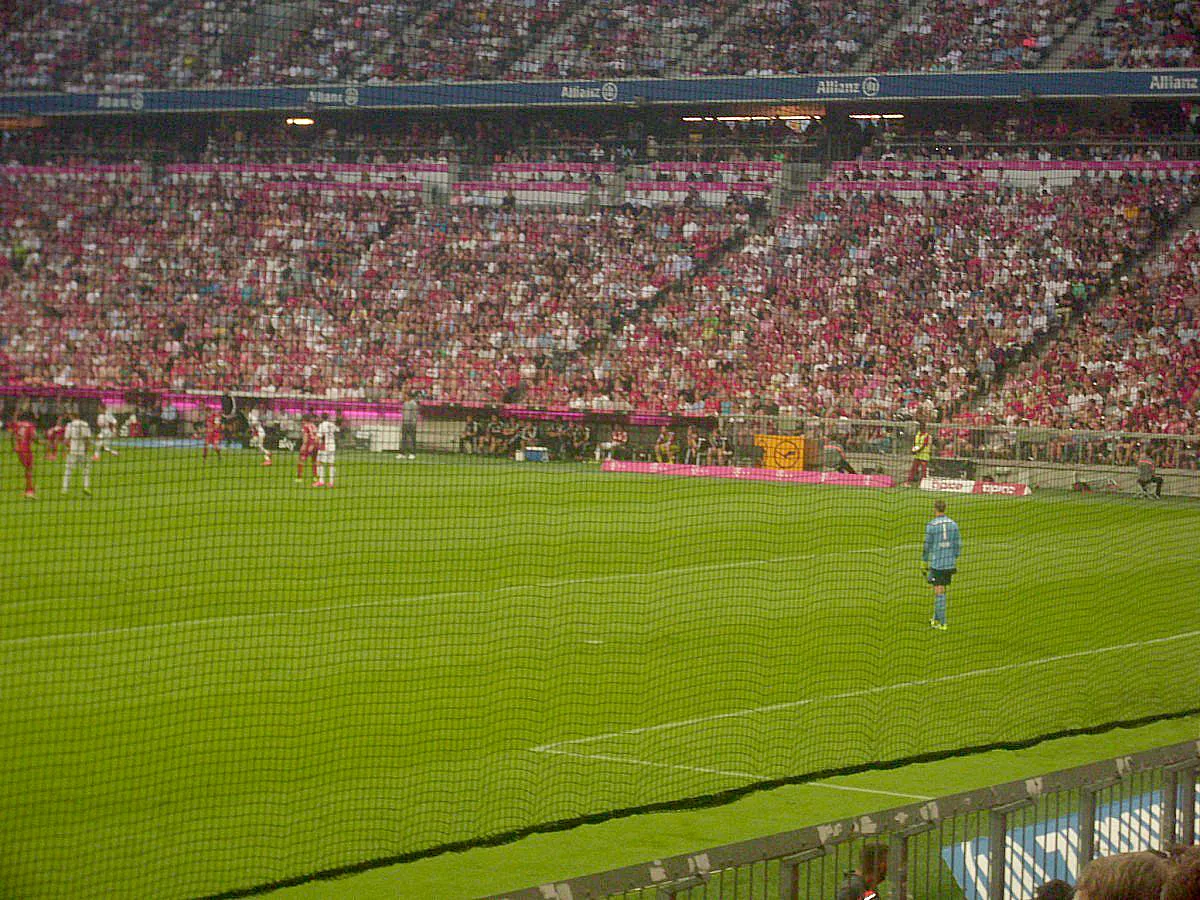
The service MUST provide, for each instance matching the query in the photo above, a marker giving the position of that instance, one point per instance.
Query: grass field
(213, 677)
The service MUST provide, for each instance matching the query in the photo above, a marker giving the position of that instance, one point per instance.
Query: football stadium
(561, 449)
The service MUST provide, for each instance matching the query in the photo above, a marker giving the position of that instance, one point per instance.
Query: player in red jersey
(24, 434)
(310, 443)
(55, 437)
(214, 427)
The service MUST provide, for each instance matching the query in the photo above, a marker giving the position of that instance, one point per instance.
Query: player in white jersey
(327, 433)
(258, 435)
(106, 425)
(78, 436)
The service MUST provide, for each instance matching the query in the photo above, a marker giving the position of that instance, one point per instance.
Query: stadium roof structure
(892, 86)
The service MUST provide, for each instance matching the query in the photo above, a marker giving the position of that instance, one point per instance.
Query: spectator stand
(1142, 34)
(1131, 362)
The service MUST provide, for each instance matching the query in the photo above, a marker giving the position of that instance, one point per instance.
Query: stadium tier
(1142, 33)
(68, 46)
(1130, 364)
(388, 482)
(887, 290)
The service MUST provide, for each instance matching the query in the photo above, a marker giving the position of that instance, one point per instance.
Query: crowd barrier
(907, 186)
(493, 193)
(1012, 165)
(996, 842)
(554, 168)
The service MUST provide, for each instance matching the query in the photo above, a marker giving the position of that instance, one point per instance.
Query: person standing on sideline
(922, 452)
(1147, 476)
(943, 544)
(411, 411)
(24, 433)
(79, 435)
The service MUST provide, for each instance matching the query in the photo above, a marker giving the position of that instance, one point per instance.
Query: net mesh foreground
(217, 678)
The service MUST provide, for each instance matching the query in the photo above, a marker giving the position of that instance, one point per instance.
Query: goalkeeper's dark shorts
(940, 576)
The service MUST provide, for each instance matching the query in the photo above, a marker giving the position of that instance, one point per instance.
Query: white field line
(553, 746)
(603, 757)
(424, 598)
(453, 595)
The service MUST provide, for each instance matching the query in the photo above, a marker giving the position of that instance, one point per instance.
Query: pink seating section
(874, 296)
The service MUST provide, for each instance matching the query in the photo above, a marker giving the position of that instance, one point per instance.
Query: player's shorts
(213, 440)
(308, 453)
(78, 459)
(325, 457)
(257, 437)
(940, 577)
(26, 457)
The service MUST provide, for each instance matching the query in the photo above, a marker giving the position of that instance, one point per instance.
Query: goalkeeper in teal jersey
(943, 544)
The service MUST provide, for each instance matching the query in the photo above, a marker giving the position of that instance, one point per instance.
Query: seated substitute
(616, 446)
(1147, 476)
(695, 445)
(579, 436)
(468, 441)
(720, 451)
(510, 436)
(665, 449)
(835, 459)
(556, 438)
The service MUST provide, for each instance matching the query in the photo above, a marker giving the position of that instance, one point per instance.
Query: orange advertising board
(781, 451)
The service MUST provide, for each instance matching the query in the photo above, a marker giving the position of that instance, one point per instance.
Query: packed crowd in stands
(1143, 33)
(867, 305)
(83, 46)
(622, 39)
(771, 37)
(325, 291)
(893, 291)
(967, 35)
(1132, 363)
(373, 43)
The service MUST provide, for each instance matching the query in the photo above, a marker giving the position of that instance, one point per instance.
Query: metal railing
(996, 842)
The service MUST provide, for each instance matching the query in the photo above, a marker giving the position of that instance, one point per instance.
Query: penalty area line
(703, 770)
(209, 621)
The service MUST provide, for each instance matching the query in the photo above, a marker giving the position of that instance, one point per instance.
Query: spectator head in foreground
(1184, 882)
(1057, 889)
(872, 870)
(1124, 876)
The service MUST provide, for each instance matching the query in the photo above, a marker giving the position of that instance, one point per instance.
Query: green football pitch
(215, 678)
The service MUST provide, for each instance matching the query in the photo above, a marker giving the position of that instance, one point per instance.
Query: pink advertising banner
(790, 476)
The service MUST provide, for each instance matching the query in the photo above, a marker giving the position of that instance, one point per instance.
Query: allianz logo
(607, 92)
(347, 97)
(1173, 83)
(867, 87)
